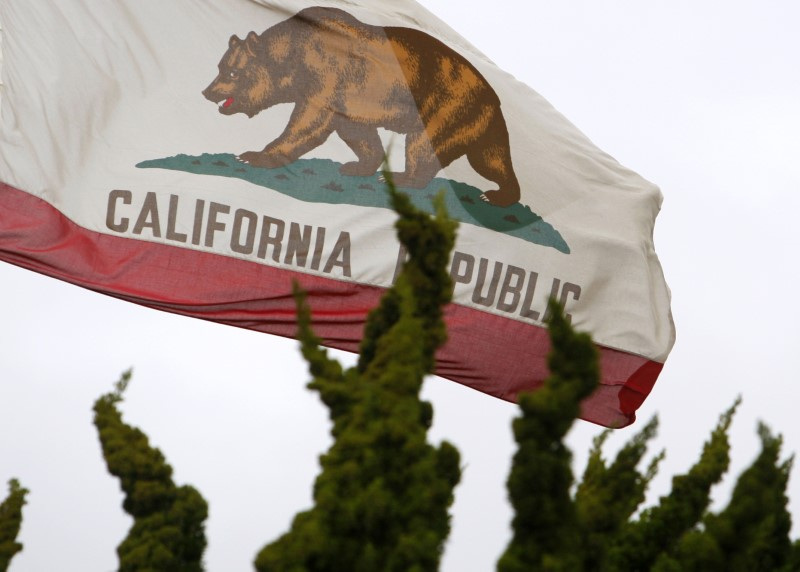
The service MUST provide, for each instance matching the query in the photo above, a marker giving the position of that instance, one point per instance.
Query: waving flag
(196, 157)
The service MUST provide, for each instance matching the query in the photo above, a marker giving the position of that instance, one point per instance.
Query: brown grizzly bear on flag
(350, 78)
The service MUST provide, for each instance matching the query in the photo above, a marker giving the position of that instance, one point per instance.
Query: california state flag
(196, 157)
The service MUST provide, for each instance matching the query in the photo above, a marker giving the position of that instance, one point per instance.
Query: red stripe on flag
(490, 353)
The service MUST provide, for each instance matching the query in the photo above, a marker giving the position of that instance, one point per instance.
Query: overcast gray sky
(699, 97)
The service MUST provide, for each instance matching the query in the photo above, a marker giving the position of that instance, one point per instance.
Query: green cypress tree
(793, 561)
(608, 495)
(10, 522)
(592, 530)
(381, 501)
(641, 542)
(545, 531)
(752, 533)
(753, 530)
(168, 532)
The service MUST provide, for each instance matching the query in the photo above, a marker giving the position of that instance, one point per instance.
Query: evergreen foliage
(382, 498)
(544, 528)
(594, 529)
(381, 501)
(168, 532)
(607, 496)
(793, 561)
(752, 533)
(659, 529)
(10, 522)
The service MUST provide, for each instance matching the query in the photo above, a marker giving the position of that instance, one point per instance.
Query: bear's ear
(251, 43)
(234, 41)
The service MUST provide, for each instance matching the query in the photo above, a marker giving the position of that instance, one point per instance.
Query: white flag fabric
(196, 157)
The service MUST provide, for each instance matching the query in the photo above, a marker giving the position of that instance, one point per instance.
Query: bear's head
(246, 79)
